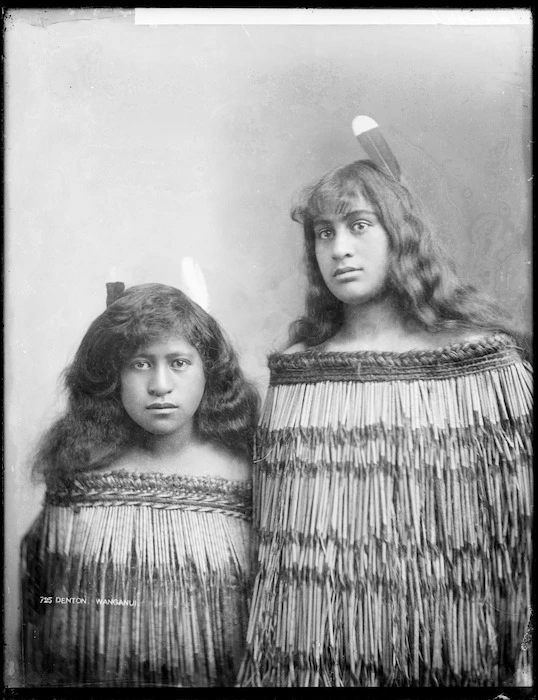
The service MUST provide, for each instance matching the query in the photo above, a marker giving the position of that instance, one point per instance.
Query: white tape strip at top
(278, 16)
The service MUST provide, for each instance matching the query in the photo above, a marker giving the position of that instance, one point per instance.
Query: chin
(361, 298)
(160, 432)
(358, 299)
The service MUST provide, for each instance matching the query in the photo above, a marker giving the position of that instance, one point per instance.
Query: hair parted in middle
(420, 274)
(95, 422)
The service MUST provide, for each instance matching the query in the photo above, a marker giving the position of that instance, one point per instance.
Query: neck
(174, 445)
(378, 318)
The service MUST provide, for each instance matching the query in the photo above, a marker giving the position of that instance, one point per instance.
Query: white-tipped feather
(192, 282)
(375, 146)
(362, 123)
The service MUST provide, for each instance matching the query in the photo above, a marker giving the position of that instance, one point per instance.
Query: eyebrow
(169, 356)
(355, 212)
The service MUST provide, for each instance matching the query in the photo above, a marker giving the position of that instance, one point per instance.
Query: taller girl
(393, 481)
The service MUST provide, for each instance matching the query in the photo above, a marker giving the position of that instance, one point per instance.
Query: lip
(345, 270)
(161, 406)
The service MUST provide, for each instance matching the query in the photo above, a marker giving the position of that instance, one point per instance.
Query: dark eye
(140, 364)
(360, 226)
(179, 364)
(324, 234)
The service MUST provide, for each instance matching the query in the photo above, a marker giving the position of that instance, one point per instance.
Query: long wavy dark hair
(95, 429)
(420, 274)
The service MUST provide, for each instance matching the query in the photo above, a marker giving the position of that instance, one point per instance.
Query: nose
(160, 382)
(342, 243)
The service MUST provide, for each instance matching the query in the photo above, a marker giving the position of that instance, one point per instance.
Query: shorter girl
(136, 572)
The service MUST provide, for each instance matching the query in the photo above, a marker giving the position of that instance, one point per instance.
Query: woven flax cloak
(392, 500)
(149, 580)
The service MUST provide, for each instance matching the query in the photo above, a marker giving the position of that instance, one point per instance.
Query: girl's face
(352, 251)
(162, 386)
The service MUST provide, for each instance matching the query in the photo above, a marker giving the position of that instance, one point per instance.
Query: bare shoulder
(425, 340)
(298, 347)
(466, 335)
(220, 462)
(131, 460)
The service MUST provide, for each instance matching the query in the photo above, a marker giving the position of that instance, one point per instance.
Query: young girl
(392, 489)
(137, 570)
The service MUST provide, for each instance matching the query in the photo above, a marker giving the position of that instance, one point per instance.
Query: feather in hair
(373, 142)
(114, 290)
(192, 282)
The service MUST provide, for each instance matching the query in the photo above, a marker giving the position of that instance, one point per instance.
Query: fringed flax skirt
(392, 502)
(137, 580)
